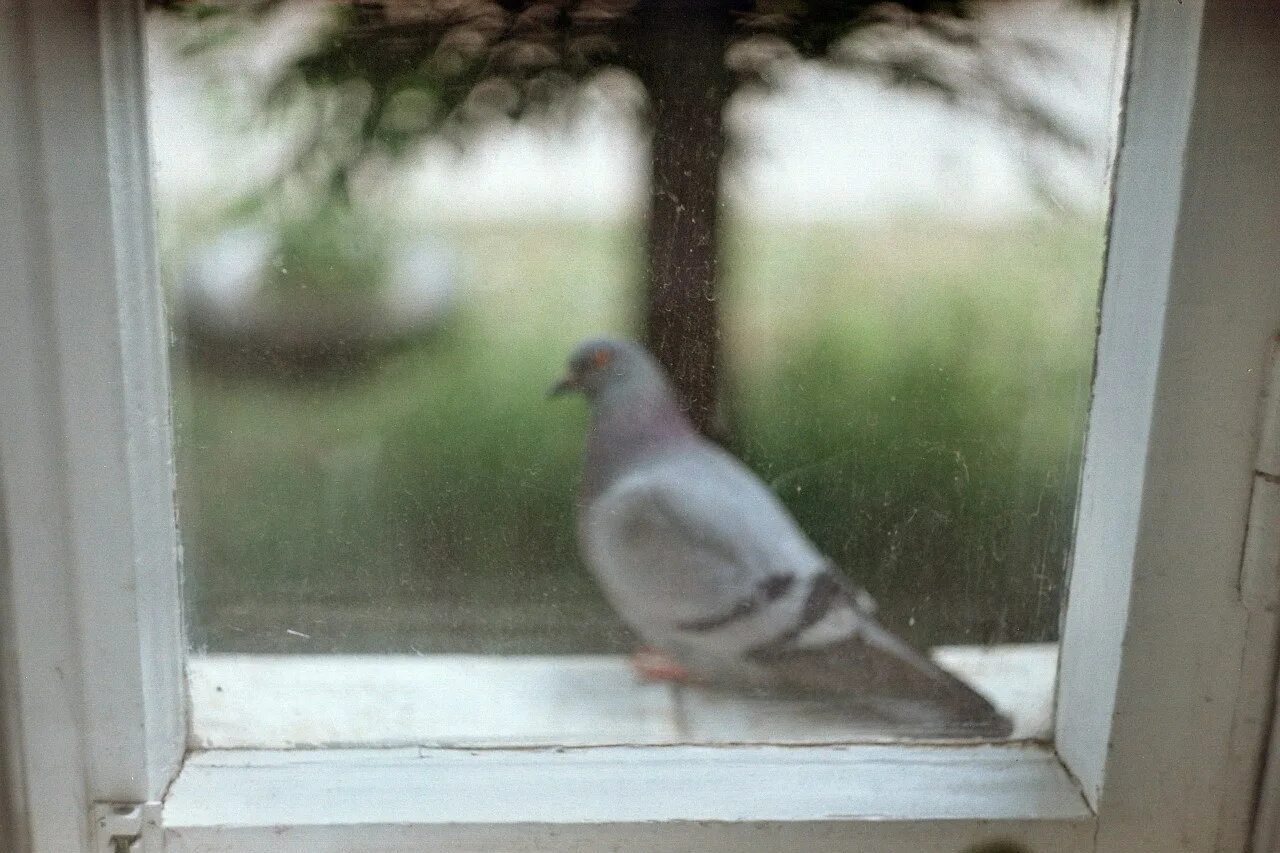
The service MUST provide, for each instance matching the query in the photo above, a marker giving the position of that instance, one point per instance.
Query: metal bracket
(126, 827)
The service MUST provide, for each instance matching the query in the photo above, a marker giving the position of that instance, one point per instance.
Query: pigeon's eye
(600, 358)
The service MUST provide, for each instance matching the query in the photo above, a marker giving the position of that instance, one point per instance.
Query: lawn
(916, 394)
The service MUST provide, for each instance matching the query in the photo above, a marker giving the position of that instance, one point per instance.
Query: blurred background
(865, 238)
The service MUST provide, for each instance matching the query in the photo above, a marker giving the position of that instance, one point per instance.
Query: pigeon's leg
(652, 664)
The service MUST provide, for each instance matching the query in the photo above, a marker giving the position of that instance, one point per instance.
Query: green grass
(916, 395)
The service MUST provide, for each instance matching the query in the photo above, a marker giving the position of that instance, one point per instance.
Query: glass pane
(861, 246)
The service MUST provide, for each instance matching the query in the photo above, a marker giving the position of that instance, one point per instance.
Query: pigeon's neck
(628, 427)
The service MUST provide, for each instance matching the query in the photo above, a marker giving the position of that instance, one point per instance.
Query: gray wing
(871, 668)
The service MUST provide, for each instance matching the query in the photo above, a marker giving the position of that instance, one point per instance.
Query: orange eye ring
(601, 357)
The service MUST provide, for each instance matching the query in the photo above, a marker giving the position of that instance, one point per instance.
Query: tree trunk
(680, 51)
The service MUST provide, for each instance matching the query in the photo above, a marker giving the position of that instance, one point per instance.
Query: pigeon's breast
(650, 569)
(683, 540)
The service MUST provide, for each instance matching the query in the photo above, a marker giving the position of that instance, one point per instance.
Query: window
(903, 333)
(1169, 635)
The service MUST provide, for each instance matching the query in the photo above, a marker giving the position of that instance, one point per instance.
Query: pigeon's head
(603, 366)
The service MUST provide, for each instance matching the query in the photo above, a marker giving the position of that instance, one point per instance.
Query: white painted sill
(886, 798)
(301, 701)
(541, 768)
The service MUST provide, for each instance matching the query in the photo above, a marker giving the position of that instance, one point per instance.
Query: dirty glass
(866, 241)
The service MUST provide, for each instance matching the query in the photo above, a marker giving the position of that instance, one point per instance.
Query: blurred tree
(392, 72)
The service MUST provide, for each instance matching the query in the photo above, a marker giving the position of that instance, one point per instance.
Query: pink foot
(651, 664)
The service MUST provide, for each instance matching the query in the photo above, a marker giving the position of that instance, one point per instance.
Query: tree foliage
(394, 72)
(404, 70)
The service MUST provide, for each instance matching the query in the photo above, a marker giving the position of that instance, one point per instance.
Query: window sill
(537, 773)
(298, 701)
(888, 798)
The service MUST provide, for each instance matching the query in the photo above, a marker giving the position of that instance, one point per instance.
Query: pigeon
(700, 558)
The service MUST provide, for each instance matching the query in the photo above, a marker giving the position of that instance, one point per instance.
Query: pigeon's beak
(564, 386)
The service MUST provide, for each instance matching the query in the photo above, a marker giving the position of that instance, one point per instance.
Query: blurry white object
(224, 276)
(229, 311)
(421, 284)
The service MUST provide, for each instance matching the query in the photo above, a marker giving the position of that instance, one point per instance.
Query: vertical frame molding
(93, 610)
(1167, 654)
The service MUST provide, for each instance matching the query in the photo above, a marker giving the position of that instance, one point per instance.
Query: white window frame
(1169, 641)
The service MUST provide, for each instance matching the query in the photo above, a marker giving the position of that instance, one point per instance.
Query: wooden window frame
(1167, 680)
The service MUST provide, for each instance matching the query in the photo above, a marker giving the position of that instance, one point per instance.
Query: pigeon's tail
(876, 673)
